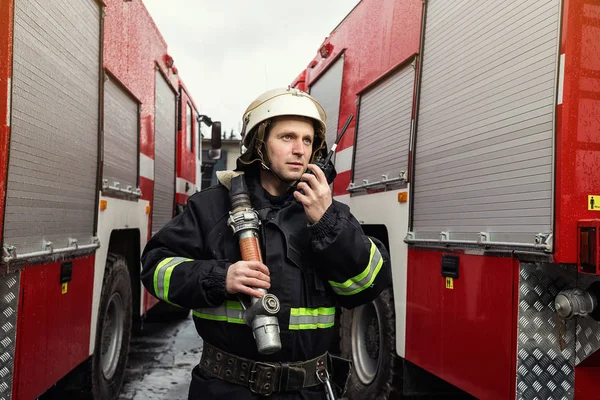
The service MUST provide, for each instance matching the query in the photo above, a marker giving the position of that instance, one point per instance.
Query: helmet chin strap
(267, 168)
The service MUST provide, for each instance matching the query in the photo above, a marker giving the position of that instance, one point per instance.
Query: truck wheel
(113, 332)
(368, 335)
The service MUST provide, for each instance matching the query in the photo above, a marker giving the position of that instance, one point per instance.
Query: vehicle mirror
(215, 137)
(214, 154)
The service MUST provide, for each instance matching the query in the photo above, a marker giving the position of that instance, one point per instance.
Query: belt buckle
(262, 378)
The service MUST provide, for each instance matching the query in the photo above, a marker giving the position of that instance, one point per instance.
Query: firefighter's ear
(320, 153)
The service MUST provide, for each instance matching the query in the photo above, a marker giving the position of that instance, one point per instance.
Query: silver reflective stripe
(311, 318)
(363, 280)
(162, 275)
(230, 311)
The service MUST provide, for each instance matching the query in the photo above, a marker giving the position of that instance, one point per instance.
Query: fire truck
(473, 156)
(99, 146)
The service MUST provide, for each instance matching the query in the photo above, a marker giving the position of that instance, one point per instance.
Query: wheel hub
(112, 335)
(372, 339)
(366, 339)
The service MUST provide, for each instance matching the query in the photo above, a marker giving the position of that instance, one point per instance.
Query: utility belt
(263, 378)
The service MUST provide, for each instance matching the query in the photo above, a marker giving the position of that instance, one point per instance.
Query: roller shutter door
(164, 153)
(120, 136)
(486, 117)
(384, 128)
(51, 190)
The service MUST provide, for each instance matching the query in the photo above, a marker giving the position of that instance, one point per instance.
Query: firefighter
(315, 254)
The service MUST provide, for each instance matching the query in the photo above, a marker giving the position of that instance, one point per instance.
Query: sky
(228, 52)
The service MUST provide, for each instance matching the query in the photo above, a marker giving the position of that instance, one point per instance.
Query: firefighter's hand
(245, 276)
(316, 198)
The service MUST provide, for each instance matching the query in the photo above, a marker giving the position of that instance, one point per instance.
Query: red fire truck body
(99, 142)
(472, 155)
(188, 150)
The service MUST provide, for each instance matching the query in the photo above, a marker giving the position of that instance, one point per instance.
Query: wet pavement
(161, 359)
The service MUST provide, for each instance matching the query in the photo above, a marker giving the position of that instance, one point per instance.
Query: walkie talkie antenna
(337, 140)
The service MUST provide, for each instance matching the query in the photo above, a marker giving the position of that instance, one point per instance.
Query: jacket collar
(258, 195)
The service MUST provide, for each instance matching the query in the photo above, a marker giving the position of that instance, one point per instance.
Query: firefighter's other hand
(245, 276)
(316, 198)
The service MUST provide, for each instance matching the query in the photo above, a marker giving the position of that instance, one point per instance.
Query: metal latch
(544, 241)
(484, 238)
(8, 253)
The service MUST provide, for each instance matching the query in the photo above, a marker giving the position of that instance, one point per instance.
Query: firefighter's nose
(298, 148)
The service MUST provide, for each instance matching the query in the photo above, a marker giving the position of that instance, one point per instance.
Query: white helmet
(277, 103)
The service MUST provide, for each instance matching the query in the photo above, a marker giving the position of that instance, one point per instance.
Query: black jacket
(312, 269)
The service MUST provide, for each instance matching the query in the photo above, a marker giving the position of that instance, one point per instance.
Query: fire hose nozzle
(267, 305)
(261, 316)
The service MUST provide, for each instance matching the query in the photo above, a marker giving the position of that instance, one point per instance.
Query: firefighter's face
(289, 146)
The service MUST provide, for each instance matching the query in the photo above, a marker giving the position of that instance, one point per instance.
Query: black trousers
(205, 387)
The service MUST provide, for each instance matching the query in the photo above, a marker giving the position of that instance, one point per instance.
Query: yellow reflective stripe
(167, 280)
(230, 311)
(299, 327)
(363, 280)
(233, 305)
(162, 275)
(222, 318)
(360, 276)
(311, 318)
(157, 273)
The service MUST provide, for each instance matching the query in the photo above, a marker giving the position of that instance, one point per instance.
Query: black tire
(368, 338)
(113, 332)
